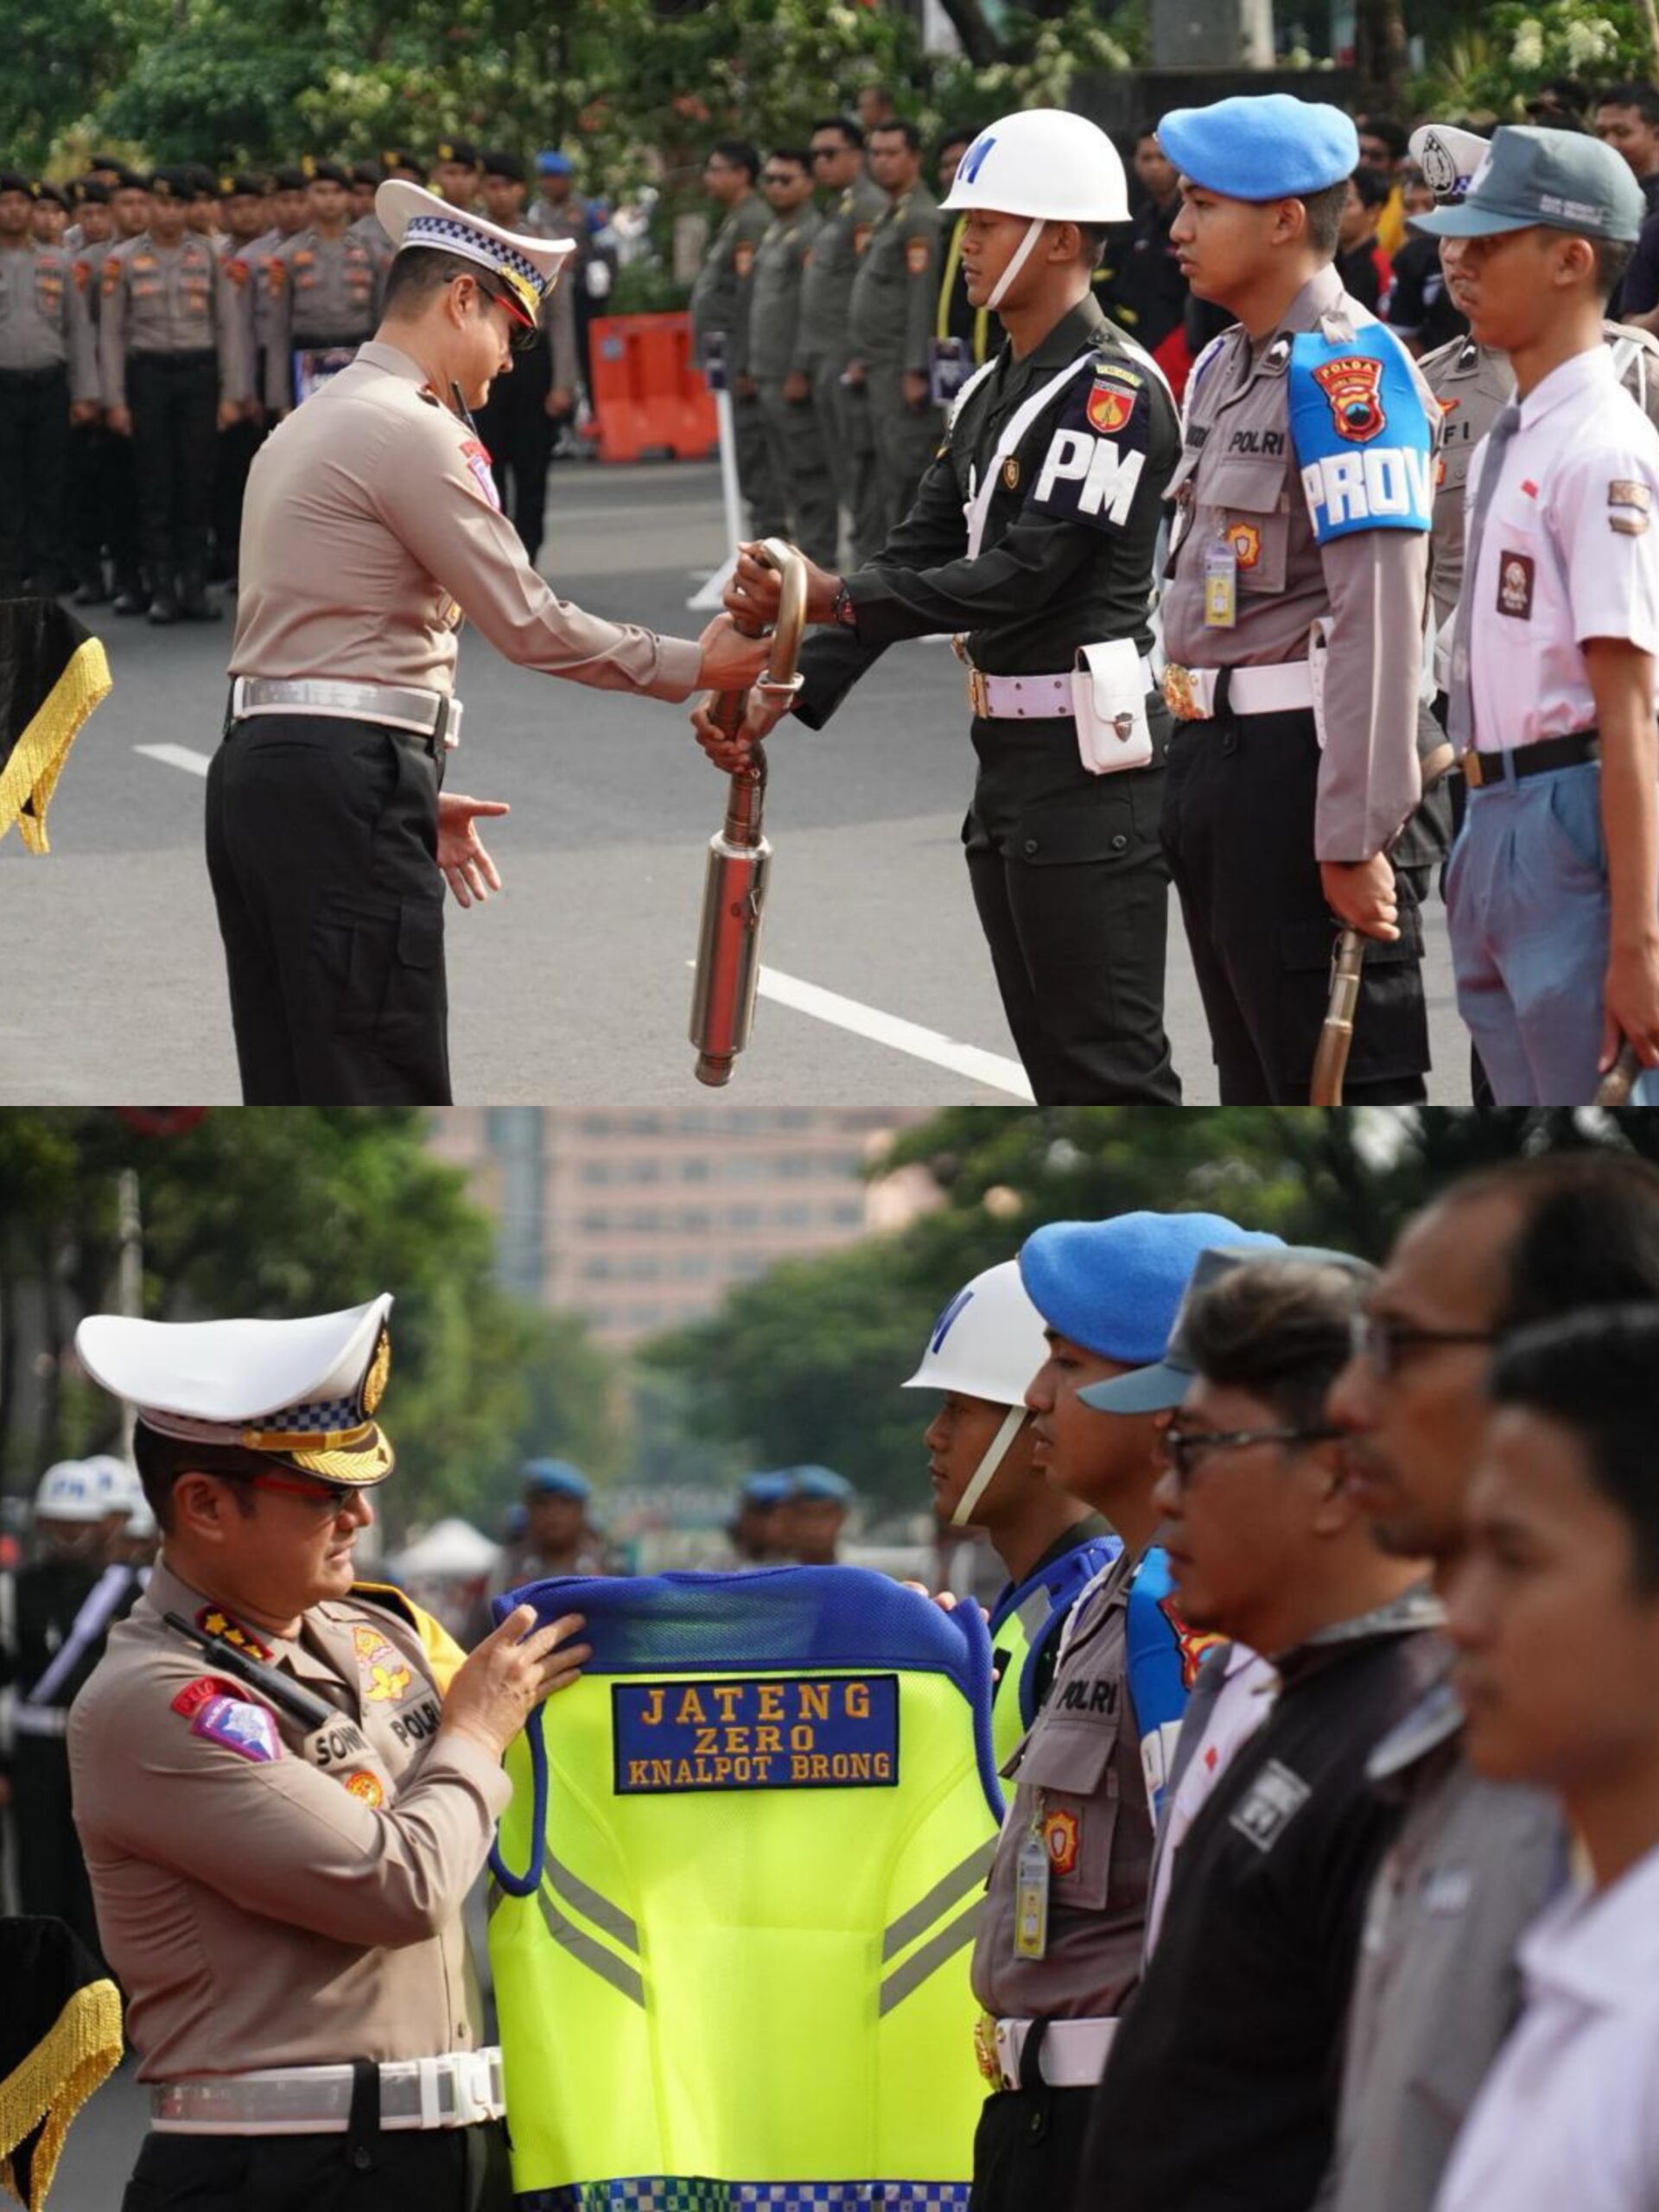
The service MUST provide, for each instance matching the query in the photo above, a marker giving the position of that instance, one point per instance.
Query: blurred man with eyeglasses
(780, 357)
(852, 205)
(1475, 1861)
(1218, 2090)
(721, 302)
(286, 1783)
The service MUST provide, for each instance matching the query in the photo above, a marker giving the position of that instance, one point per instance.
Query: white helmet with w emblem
(1046, 163)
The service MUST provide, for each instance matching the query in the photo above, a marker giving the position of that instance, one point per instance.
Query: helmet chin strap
(1013, 1421)
(1021, 255)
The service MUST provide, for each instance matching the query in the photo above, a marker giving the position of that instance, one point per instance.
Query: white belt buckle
(474, 2099)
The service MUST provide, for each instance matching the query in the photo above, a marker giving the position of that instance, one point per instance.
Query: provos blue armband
(1361, 434)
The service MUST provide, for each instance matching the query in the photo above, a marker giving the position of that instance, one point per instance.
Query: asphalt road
(573, 985)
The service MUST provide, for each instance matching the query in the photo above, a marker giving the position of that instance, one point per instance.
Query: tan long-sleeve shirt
(372, 526)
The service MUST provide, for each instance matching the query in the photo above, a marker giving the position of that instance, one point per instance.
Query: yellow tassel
(82, 2049)
(30, 775)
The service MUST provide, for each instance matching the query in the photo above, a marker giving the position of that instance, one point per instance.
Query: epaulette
(392, 1599)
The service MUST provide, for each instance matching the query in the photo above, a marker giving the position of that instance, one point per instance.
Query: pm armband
(1361, 434)
(1091, 466)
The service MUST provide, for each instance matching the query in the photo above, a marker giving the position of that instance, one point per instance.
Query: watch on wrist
(843, 613)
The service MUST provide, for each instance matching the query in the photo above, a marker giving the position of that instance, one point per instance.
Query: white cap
(413, 216)
(1046, 163)
(70, 1491)
(987, 1342)
(1448, 157)
(302, 1391)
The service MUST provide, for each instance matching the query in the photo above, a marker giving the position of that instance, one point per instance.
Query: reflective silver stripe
(428, 713)
(591, 1905)
(931, 1957)
(590, 1955)
(944, 1894)
(41, 1720)
(458, 2089)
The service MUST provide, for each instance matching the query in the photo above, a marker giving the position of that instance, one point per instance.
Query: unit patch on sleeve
(1362, 435)
(837, 1731)
(250, 1730)
(478, 460)
(1096, 450)
(191, 1699)
(385, 1672)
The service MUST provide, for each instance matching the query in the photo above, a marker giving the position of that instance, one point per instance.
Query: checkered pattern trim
(320, 1418)
(445, 230)
(684, 2193)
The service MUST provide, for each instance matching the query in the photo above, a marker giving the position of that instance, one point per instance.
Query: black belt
(53, 374)
(194, 357)
(1481, 770)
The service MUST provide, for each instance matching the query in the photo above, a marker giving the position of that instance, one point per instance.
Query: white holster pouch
(1318, 644)
(1108, 691)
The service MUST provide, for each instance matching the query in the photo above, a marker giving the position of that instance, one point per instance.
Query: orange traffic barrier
(649, 395)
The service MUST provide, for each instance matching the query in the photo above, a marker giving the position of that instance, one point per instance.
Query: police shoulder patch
(1094, 447)
(248, 1730)
(1361, 434)
(917, 256)
(477, 459)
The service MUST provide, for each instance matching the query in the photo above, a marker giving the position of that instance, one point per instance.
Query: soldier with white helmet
(60, 1609)
(1032, 538)
(983, 1351)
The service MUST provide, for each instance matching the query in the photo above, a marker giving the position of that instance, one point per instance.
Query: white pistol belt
(1073, 2054)
(458, 2089)
(429, 713)
(1190, 693)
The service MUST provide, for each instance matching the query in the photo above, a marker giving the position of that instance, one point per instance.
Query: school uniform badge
(1515, 581)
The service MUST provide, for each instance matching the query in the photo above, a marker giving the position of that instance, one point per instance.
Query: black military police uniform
(1066, 473)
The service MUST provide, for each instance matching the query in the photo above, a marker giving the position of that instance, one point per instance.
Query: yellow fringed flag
(52, 673)
(60, 2037)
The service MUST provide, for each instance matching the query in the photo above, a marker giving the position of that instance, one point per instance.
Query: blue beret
(766, 1490)
(553, 164)
(1115, 1286)
(1265, 146)
(555, 1478)
(820, 1485)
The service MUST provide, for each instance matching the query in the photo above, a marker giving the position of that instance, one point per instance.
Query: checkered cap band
(684, 2193)
(454, 236)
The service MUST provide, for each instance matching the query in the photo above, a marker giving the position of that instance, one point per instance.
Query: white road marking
(993, 1069)
(178, 756)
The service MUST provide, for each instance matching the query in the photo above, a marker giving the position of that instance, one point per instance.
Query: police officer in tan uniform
(778, 355)
(895, 292)
(720, 301)
(325, 286)
(174, 368)
(852, 207)
(285, 1783)
(47, 378)
(372, 526)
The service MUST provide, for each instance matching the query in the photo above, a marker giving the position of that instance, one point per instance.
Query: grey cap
(1556, 178)
(1160, 1388)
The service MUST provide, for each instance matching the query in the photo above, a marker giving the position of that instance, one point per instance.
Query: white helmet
(141, 1520)
(987, 1344)
(70, 1491)
(119, 1485)
(1044, 162)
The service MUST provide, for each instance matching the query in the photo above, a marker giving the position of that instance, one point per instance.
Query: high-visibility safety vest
(1027, 1622)
(741, 1877)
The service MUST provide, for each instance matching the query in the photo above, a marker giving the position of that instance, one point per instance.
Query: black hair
(1372, 185)
(1643, 98)
(162, 1459)
(1596, 1373)
(1613, 259)
(962, 134)
(904, 126)
(1324, 216)
(1385, 128)
(1280, 1329)
(799, 154)
(850, 129)
(1147, 128)
(420, 271)
(1093, 236)
(742, 153)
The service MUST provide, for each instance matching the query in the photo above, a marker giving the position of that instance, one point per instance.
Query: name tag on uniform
(837, 1731)
(1220, 587)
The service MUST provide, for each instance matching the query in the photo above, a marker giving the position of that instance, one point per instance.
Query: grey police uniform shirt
(1471, 384)
(721, 296)
(1437, 1988)
(830, 268)
(1238, 482)
(1081, 1758)
(896, 287)
(321, 292)
(44, 322)
(253, 290)
(776, 347)
(171, 300)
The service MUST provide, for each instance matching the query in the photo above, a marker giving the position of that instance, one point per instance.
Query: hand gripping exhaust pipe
(740, 857)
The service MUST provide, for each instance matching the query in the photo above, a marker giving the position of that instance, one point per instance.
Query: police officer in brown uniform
(780, 357)
(48, 376)
(328, 844)
(853, 206)
(895, 293)
(1293, 614)
(285, 1784)
(324, 287)
(175, 369)
(720, 301)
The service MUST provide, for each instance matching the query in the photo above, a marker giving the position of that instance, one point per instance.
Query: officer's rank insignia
(366, 1786)
(388, 1675)
(1514, 575)
(212, 1622)
(1111, 406)
(916, 256)
(1246, 541)
(1351, 385)
(1011, 472)
(1060, 1838)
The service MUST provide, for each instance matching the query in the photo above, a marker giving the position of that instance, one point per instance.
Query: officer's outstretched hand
(1631, 1005)
(1360, 894)
(730, 661)
(493, 1694)
(729, 753)
(468, 868)
(756, 589)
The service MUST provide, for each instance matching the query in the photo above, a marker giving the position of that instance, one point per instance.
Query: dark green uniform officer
(851, 211)
(779, 356)
(895, 295)
(719, 318)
